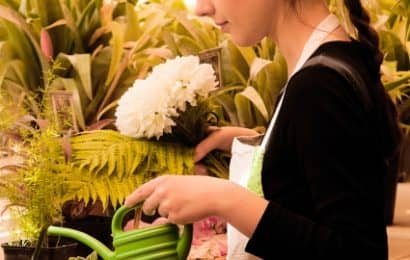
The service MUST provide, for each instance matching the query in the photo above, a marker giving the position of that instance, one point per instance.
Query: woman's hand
(220, 138)
(187, 199)
(181, 199)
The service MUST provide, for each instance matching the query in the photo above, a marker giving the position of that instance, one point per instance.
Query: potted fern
(35, 192)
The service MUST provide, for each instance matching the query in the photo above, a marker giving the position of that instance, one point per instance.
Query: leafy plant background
(95, 50)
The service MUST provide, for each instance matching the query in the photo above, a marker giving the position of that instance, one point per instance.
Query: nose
(204, 8)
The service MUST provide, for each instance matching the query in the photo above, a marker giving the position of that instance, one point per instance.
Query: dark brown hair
(388, 121)
(366, 33)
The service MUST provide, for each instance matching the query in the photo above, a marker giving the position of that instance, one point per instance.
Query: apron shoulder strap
(350, 74)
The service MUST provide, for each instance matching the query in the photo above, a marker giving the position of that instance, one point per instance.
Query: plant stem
(37, 250)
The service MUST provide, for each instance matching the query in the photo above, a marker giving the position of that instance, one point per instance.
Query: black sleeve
(338, 162)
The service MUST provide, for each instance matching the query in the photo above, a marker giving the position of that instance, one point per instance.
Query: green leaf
(73, 36)
(244, 110)
(194, 32)
(15, 18)
(82, 65)
(118, 31)
(132, 29)
(253, 96)
(16, 70)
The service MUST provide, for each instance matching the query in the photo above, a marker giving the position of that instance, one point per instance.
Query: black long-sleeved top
(323, 169)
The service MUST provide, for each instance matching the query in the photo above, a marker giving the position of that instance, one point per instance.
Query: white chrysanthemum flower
(204, 81)
(143, 110)
(147, 109)
(187, 78)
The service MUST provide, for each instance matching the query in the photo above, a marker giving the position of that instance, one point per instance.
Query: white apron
(247, 152)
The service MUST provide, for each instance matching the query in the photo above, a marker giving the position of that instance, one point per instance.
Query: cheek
(254, 27)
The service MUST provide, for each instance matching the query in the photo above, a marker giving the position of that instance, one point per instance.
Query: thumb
(202, 149)
(206, 145)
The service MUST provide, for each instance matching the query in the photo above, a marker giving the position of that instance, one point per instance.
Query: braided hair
(388, 118)
(366, 33)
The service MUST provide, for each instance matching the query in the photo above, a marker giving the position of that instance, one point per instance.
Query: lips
(223, 25)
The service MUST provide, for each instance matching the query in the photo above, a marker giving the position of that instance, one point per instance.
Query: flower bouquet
(170, 103)
(159, 120)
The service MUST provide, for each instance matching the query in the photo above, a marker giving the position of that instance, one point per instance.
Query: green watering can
(155, 242)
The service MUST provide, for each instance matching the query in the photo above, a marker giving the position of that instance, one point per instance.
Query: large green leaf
(233, 61)
(254, 97)
(118, 31)
(82, 66)
(16, 70)
(21, 45)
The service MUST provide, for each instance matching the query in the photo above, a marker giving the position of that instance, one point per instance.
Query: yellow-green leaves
(82, 66)
(117, 43)
(253, 78)
(109, 160)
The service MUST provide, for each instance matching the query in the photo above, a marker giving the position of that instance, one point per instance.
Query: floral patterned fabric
(209, 241)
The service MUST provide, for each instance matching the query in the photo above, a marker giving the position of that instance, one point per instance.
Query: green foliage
(391, 19)
(36, 190)
(253, 78)
(108, 166)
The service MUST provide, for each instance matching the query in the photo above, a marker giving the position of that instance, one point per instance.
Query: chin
(246, 41)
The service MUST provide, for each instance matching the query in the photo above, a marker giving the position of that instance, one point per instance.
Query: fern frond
(109, 190)
(109, 166)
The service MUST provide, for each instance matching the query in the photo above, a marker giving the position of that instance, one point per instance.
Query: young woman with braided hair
(326, 151)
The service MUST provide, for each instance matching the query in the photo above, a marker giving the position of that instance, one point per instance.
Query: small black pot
(63, 251)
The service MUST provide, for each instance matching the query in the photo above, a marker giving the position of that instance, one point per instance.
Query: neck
(293, 29)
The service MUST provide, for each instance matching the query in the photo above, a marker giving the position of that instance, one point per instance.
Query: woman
(325, 161)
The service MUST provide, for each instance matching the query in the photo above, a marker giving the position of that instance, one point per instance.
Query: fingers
(142, 193)
(164, 209)
(206, 145)
(153, 195)
(159, 221)
(212, 128)
(129, 225)
(151, 204)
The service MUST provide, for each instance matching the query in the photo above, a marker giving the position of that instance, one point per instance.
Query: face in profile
(247, 21)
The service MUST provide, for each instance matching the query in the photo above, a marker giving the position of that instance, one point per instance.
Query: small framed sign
(63, 110)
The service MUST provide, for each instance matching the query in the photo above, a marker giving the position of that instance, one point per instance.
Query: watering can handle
(184, 243)
(116, 225)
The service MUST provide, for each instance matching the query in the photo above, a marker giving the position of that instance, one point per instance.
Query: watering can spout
(84, 238)
(158, 242)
